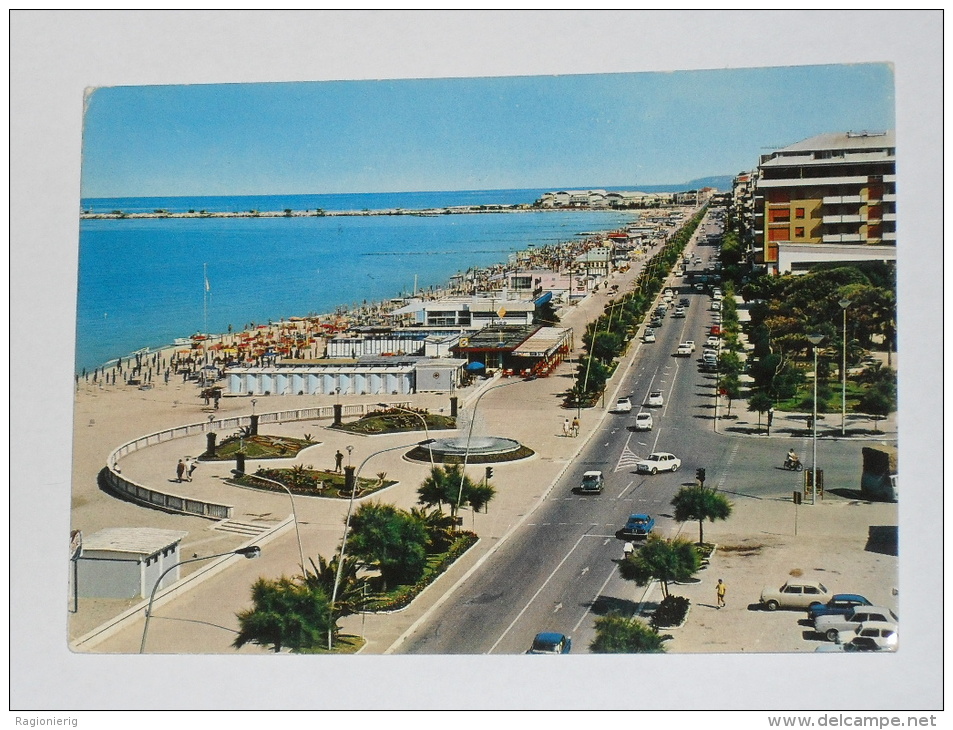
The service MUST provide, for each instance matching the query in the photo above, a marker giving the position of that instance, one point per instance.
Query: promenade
(202, 620)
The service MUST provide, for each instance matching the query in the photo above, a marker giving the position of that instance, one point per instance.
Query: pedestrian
(575, 426)
(180, 470)
(720, 592)
(627, 549)
(566, 427)
(338, 459)
(192, 467)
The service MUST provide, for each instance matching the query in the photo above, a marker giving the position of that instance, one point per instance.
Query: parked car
(679, 312)
(659, 461)
(832, 625)
(643, 421)
(699, 287)
(684, 301)
(623, 405)
(683, 350)
(795, 593)
(656, 400)
(870, 636)
(715, 330)
(592, 483)
(637, 526)
(715, 305)
(656, 322)
(840, 603)
(550, 642)
(648, 335)
(713, 342)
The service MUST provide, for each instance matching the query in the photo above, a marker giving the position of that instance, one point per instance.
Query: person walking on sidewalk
(720, 592)
(566, 427)
(179, 470)
(575, 426)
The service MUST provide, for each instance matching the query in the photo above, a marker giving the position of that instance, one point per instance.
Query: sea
(143, 283)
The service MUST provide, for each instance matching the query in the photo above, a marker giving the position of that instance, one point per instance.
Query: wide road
(558, 571)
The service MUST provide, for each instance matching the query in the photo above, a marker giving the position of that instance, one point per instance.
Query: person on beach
(566, 427)
(338, 460)
(179, 470)
(720, 592)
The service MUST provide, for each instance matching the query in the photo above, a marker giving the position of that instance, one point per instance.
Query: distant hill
(719, 182)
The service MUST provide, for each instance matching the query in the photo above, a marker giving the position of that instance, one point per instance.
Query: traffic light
(700, 476)
(489, 473)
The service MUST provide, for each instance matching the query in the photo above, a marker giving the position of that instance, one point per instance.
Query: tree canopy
(662, 560)
(285, 614)
(700, 503)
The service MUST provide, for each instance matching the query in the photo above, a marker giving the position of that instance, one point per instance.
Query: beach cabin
(126, 562)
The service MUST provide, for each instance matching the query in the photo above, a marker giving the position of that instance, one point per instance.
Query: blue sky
(466, 134)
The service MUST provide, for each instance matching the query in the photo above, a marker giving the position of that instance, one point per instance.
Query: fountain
(481, 449)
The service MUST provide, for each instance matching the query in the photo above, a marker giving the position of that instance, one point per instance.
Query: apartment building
(828, 198)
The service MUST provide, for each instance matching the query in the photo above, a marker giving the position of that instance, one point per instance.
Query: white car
(643, 421)
(870, 636)
(715, 305)
(713, 342)
(683, 350)
(690, 343)
(649, 335)
(623, 405)
(659, 461)
(831, 626)
(655, 399)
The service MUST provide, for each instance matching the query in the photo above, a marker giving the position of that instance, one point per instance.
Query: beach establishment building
(830, 198)
(516, 350)
(125, 562)
(368, 375)
(465, 313)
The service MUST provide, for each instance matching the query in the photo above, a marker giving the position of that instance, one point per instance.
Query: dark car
(550, 642)
(840, 603)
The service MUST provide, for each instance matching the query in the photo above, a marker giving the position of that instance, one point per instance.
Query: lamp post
(347, 526)
(844, 304)
(249, 552)
(294, 513)
(815, 340)
(422, 420)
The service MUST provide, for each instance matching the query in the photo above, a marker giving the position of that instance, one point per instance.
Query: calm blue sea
(141, 281)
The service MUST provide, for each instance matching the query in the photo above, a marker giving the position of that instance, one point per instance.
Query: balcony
(842, 238)
(832, 219)
(889, 197)
(889, 236)
(842, 199)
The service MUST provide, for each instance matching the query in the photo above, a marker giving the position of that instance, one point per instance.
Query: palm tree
(662, 560)
(285, 614)
(352, 588)
(700, 503)
(616, 634)
(440, 528)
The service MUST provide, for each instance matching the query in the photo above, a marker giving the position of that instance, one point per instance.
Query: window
(779, 216)
(779, 234)
(799, 232)
(799, 212)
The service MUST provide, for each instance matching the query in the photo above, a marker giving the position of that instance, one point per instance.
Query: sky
(596, 130)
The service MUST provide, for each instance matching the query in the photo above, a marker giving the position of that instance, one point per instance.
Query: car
(648, 335)
(684, 301)
(656, 399)
(870, 636)
(592, 483)
(656, 322)
(690, 343)
(716, 294)
(658, 461)
(840, 603)
(831, 625)
(713, 342)
(668, 292)
(679, 312)
(643, 421)
(637, 526)
(550, 642)
(715, 330)
(683, 350)
(715, 305)
(699, 287)
(623, 405)
(796, 593)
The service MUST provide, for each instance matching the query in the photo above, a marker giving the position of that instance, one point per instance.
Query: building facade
(828, 198)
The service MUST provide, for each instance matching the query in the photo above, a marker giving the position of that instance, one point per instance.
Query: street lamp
(844, 303)
(815, 340)
(466, 451)
(294, 513)
(422, 420)
(249, 552)
(347, 526)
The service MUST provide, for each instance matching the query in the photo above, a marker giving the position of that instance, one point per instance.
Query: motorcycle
(793, 465)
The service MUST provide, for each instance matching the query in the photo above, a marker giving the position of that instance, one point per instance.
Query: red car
(715, 330)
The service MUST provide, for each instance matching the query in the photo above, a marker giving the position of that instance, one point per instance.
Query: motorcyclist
(792, 459)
